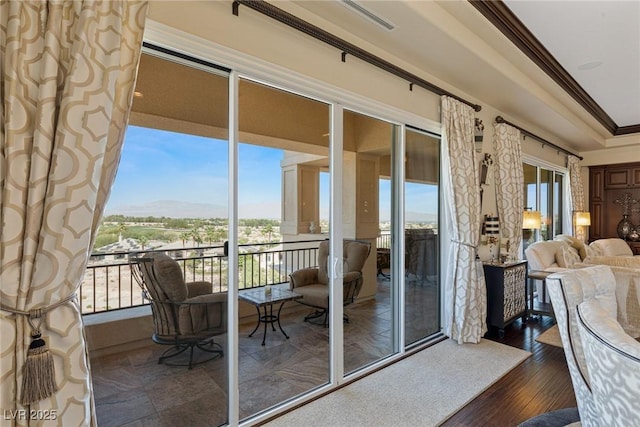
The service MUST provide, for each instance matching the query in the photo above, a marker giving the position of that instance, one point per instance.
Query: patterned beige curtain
(465, 295)
(68, 74)
(509, 184)
(575, 181)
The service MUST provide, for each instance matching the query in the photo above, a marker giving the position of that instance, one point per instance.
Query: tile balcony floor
(132, 389)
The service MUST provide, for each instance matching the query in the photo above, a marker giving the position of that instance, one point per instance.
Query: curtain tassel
(38, 375)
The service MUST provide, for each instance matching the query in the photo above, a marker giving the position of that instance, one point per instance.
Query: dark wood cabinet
(596, 183)
(635, 247)
(608, 183)
(617, 177)
(506, 293)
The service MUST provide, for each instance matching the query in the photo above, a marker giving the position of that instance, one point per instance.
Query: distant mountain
(178, 209)
(420, 217)
(170, 209)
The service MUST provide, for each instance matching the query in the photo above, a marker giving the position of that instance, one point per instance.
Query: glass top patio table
(260, 298)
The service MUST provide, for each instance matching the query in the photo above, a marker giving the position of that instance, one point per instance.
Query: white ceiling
(597, 43)
(453, 42)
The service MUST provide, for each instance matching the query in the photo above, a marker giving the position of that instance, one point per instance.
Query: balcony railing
(108, 283)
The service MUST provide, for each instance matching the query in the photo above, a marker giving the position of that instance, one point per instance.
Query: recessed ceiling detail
(590, 49)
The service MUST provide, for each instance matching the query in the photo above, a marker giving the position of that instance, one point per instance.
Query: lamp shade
(583, 218)
(531, 220)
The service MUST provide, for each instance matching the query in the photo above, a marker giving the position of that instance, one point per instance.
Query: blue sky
(158, 165)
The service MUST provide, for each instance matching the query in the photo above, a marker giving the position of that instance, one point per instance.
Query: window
(544, 191)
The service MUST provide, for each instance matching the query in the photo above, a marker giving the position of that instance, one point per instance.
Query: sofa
(546, 255)
(567, 252)
(612, 247)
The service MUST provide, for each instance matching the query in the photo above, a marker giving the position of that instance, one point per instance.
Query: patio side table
(260, 298)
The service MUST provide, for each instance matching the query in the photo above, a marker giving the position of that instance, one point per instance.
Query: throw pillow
(568, 257)
(590, 251)
(573, 242)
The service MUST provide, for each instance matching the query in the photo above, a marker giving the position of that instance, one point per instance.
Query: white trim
(336, 326)
(398, 245)
(535, 161)
(567, 223)
(272, 74)
(232, 267)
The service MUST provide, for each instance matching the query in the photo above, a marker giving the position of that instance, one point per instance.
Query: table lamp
(582, 220)
(531, 220)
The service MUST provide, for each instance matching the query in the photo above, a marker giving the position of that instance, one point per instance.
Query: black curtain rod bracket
(500, 119)
(293, 21)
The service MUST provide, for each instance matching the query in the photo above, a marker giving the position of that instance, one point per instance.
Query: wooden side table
(542, 308)
(506, 293)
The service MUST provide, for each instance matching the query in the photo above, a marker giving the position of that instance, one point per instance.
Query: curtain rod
(346, 47)
(500, 119)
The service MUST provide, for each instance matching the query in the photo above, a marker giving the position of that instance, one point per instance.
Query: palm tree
(143, 241)
(268, 229)
(211, 234)
(185, 236)
(121, 229)
(195, 235)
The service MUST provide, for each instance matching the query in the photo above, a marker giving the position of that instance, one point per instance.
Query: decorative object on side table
(625, 226)
(489, 249)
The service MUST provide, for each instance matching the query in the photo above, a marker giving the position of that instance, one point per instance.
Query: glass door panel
(283, 166)
(368, 323)
(558, 204)
(530, 200)
(546, 204)
(421, 207)
(169, 198)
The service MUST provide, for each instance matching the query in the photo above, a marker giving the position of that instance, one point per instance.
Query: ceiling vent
(363, 11)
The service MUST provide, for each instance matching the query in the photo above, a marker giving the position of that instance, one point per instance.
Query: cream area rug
(423, 389)
(551, 336)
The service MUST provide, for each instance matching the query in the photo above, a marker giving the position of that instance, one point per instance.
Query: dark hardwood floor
(540, 384)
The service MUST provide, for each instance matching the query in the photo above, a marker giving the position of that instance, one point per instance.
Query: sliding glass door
(317, 223)
(283, 287)
(370, 330)
(421, 235)
(169, 200)
(544, 192)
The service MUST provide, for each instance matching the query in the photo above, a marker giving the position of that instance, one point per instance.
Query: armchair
(613, 361)
(185, 315)
(313, 283)
(568, 289)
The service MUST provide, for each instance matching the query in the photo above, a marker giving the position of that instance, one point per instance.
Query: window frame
(555, 170)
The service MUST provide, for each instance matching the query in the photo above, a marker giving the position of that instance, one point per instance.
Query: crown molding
(504, 20)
